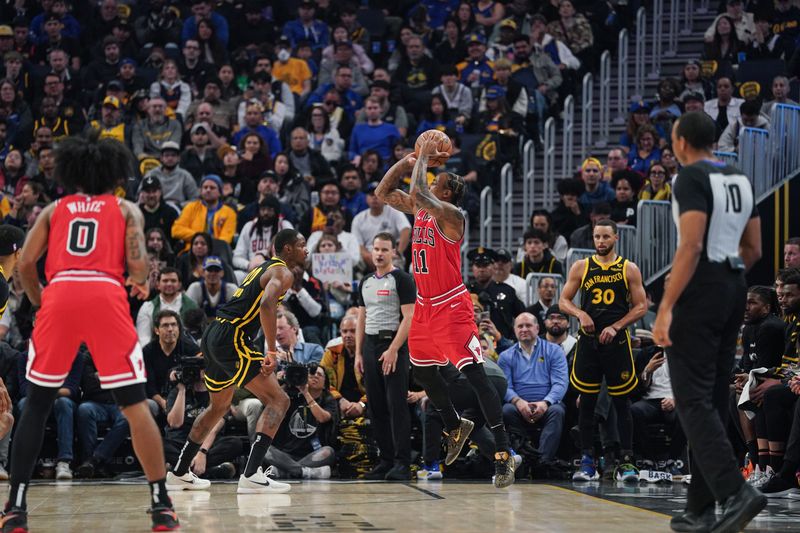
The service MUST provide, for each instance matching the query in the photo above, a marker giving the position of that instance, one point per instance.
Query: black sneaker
(164, 518)
(695, 523)
(86, 470)
(379, 472)
(504, 466)
(399, 472)
(456, 439)
(778, 487)
(739, 509)
(15, 520)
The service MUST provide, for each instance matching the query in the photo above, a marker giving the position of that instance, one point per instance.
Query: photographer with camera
(303, 445)
(186, 400)
(161, 355)
(385, 309)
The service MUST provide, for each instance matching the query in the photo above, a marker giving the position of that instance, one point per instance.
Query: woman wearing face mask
(657, 187)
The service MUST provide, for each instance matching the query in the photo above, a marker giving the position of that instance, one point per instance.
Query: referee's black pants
(386, 400)
(705, 325)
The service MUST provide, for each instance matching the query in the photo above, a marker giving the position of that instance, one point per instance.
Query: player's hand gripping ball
(438, 149)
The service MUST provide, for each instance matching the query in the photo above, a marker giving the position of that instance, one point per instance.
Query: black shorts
(232, 358)
(614, 361)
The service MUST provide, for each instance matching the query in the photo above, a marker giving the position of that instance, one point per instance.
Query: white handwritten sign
(332, 267)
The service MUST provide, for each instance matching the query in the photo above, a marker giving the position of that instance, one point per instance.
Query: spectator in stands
(786, 23)
(53, 190)
(657, 405)
(19, 119)
(582, 237)
(557, 330)
(391, 112)
(288, 339)
(305, 300)
(452, 45)
(157, 242)
(64, 408)
(740, 25)
(416, 76)
(111, 124)
(638, 116)
(542, 220)
(254, 123)
(199, 158)
(725, 46)
(204, 10)
(670, 163)
(322, 137)
(657, 186)
(70, 86)
(476, 71)
(207, 213)
(646, 151)
(23, 204)
(97, 407)
(498, 298)
(54, 39)
(190, 263)
(546, 290)
(503, 266)
(157, 213)
(353, 197)
(375, 134)
(750, 117)
(595, 189)
(177, 185)
(626, 185)
(210, 292)
(693, 102)
(255, 239)
(346, 381)
(791, 253)
(161, 356)
(307, 162)
(307, 28)
(56, 122)
(348, 99)
(538, 257)
(693, 81)
(543, 81)
(536, 371)
(290, 70)
(617, 159)
(150, 135)
(379, 217)
(212, 110)
(211, 48)
(569, 214)
(175, 92)
(766, 44)
(575, 31)
(294, 189)
(780, 95)
(559, 52)
(335, 225)
(457, 96)
(724, 109)
(170, 297)
(343, 56)
(275, 97)
(665, 111)
(254, 160)
(101, 71)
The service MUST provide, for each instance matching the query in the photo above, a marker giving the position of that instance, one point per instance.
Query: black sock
(257, 452)
(501, 443)
(158, 493)
(186, 457)
(30, 431)
(763, 459)
(752, 449)
(776, 461)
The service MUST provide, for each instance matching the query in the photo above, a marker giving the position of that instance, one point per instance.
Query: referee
(699, 317)
(386, 307)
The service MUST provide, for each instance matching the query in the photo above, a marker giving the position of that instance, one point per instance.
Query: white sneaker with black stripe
(188, 481)
(259, 483)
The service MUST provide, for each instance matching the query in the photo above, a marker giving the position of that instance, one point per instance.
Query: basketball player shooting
(443, 329)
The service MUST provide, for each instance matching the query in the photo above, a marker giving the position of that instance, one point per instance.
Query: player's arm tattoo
(135, 249)
(388, 192)
(447, 215)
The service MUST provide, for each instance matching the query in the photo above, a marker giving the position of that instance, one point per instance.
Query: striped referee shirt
(382, 297)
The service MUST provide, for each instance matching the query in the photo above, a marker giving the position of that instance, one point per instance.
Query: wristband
(204, 451)
(270, 352)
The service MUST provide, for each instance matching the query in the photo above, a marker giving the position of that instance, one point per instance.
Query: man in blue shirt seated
(536, 371)
(306, 28)
(350, 100)
(254, 123)
(375, 134)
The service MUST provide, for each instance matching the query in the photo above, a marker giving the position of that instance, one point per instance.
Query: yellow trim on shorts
(633, 381)
(587, 388)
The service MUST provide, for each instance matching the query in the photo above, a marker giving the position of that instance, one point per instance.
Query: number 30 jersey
(604, 292)
(87, 235)
(436, 260)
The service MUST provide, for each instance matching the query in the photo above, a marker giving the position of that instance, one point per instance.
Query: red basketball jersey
(87, 234)
(436, 259)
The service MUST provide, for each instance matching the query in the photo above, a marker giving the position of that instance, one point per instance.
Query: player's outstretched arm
(568, 294)
(387, 189)
(448, 216)
(135, 248)
(276, 281)
(32, 250)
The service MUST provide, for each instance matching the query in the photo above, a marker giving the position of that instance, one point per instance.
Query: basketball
(444, 146)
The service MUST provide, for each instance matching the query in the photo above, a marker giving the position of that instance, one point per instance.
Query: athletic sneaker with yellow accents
(504, 466)
(456, 439)
(626, 473)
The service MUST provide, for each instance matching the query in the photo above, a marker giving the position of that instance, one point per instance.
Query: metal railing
(658, 39)
(576, 254)
(623, 59)
(486, 217)
(605, 100)
(640, 57)
(656, 237)
(528, 161)
(532, 284)
(688, 14)
(549, 163)
(587, 103)
(730, 158)
(754, 158)
(567, 136)
(784, 130)
(672, 32)
(506, 207)
(627, 246)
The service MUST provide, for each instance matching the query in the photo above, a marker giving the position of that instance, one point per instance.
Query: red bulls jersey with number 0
(436, 260)
(87, 233)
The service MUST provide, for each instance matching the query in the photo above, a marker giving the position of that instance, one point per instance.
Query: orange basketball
(444, 146)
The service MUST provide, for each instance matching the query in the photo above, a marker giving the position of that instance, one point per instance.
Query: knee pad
(129, 395)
